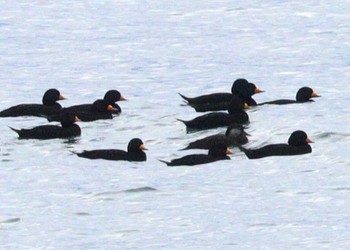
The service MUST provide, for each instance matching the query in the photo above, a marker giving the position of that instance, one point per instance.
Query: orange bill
(257, 90)
(314, 94)
(143, 147)
(308, 140)
(110, 108)
(228, 151)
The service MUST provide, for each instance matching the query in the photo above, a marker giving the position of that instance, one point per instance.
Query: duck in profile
(235, 114)
(135, 152)
(234, 135)
(48, 107)
(304, 94)
(216, 152)
(99, 110)
(68, 129)
(298, 144)
(241, 88)
(111, 97)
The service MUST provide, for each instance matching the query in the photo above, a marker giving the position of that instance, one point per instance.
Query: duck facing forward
(298, 144)
(67, 129)
(216, 152)
(48, 107)
(133, 153)
(304, 94)
(234, 135)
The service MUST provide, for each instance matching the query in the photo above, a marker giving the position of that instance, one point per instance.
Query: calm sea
(150, 51)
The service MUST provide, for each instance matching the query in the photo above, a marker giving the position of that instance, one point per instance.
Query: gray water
(149, 51)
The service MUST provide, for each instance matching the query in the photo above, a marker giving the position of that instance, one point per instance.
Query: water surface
(150, 51)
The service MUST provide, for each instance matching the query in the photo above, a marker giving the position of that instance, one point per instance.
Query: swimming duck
(49, 106)
(220, 101)
(298, 143)
(303, 95)
(216, 152)
(66, 130)
(99, 110)
(235, 114)
(234, 135)
(111, 97)
(134, 152)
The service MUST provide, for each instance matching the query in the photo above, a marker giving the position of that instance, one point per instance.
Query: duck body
(215, 120)
(241, 89)
(113, 155)
(298, 144)
(99, 110)
(279, 102)
(277, 150)
(49, 132)
(235, 135)
(235, 114)
(303, 95)
(31, 110)
(66, 130)
(111, 97)
(195, 159)
(134, 153)
(223, 104)
(48, 107)
(216, 152)
(206, 99)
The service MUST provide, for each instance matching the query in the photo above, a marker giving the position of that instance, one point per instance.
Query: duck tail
(16, 130)
(166, 162)
(186, 148)
(182, 121)
(185, 97)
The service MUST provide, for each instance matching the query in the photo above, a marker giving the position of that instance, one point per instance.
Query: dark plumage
(49, 106)
(216, 152)
(134, 153)
(220, 101)
(303, 95)
(298, 143)
(234, 135)
(66, 130)
(99, 110)
(235, 114)
(111, 97)
(245, 90)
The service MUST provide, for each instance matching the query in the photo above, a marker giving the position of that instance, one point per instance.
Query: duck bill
(308, 140)
(61, 97)
(257, 91)
(110, 108)
(122, 98)
(314, 94)
(228, 151)
(77, 119)
(245, 106)
(143, 147)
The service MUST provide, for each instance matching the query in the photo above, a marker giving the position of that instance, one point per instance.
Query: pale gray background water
(150, 50)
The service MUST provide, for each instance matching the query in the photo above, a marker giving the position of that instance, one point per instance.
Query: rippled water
(51, 199)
